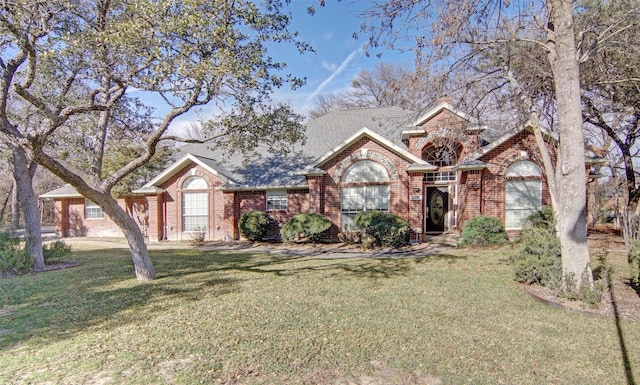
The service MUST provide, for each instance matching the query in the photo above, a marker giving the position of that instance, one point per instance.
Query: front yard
(236, 317)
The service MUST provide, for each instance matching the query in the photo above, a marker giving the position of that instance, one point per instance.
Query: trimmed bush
(387, 229)
(56, 251)
(13, 258)
(254, 225)
(537, 259)
(483, 231)
(544, 218)
(305, 227)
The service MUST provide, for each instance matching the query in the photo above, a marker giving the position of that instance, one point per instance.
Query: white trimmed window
(276, 200)
(374, 195)
(92, 210)
(440, 156)
(195, 204)
(523, 196)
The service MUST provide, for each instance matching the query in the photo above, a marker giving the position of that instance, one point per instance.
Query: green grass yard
(242, 318)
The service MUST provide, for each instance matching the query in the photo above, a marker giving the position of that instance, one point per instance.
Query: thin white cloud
(334, 74)
(329, 66)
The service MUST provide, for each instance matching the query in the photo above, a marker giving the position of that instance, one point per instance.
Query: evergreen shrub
(305, 227)
(254, 225)
(13, 257)
(55, 252)
(483, 231)
(537, 258)
(387, 229)
(544, 218)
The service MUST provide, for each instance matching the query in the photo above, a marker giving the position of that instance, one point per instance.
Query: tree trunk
(572, 221)
(29, 205)
(141, 261)
(630, 222)
(4, 205)
(15, 205)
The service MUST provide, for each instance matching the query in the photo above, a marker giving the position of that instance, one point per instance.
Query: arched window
(195, 204)
(440, 156)
(365, 187)
(523, 193)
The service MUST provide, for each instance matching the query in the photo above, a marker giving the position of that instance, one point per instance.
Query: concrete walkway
(436, 244)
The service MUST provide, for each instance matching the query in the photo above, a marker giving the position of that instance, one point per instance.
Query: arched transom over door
(195, 204)
(523, 193)
(365, 186)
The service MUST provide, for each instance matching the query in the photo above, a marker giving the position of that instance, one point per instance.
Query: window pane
(523, 168)
(92, 210)
(522, 198)
(277, 200)
(353, 198)
(194, 211)
(195, 183)
(365, 171)
(362, 198)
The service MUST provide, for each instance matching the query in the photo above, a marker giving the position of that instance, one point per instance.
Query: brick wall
(172, 199)
(364, 148)
(489, 198)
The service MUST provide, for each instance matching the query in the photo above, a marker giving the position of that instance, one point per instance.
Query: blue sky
(338, 57)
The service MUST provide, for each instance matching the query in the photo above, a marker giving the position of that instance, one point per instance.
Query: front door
(436, 207)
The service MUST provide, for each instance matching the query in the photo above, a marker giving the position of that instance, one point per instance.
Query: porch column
(415, 202)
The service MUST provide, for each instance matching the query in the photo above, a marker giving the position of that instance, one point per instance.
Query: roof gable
(179, 165)
(445, 106)
(366, 132)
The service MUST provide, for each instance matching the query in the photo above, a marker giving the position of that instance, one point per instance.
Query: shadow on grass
(624, 352)
(103, 290)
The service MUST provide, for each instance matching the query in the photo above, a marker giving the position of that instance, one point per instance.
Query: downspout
(165, 225)
(481, 193)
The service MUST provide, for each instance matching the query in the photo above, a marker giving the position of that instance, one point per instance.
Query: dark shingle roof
(323, 134)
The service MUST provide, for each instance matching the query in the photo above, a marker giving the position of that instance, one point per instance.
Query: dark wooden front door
(436, 207)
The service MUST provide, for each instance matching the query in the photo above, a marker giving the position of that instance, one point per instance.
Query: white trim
(364, 131)
(446, 106)
(177, 166)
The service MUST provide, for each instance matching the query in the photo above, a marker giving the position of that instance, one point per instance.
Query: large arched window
(523, 193)
(365, 186)
(195, 207)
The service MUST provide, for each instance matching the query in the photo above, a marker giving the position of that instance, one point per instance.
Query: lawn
(243, 318)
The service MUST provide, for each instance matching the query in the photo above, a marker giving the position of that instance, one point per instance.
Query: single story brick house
(437, 170)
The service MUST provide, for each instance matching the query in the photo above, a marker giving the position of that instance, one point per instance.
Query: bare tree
(611, 93)
(386, 85)
(457, 33)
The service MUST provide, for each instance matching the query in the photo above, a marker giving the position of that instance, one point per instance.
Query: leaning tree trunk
(141, 261)
(29, 205)
(572, 202)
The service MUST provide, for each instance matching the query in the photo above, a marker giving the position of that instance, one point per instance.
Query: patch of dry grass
(242, 318)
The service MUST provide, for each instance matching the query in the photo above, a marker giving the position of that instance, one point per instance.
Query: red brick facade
(468, 191)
